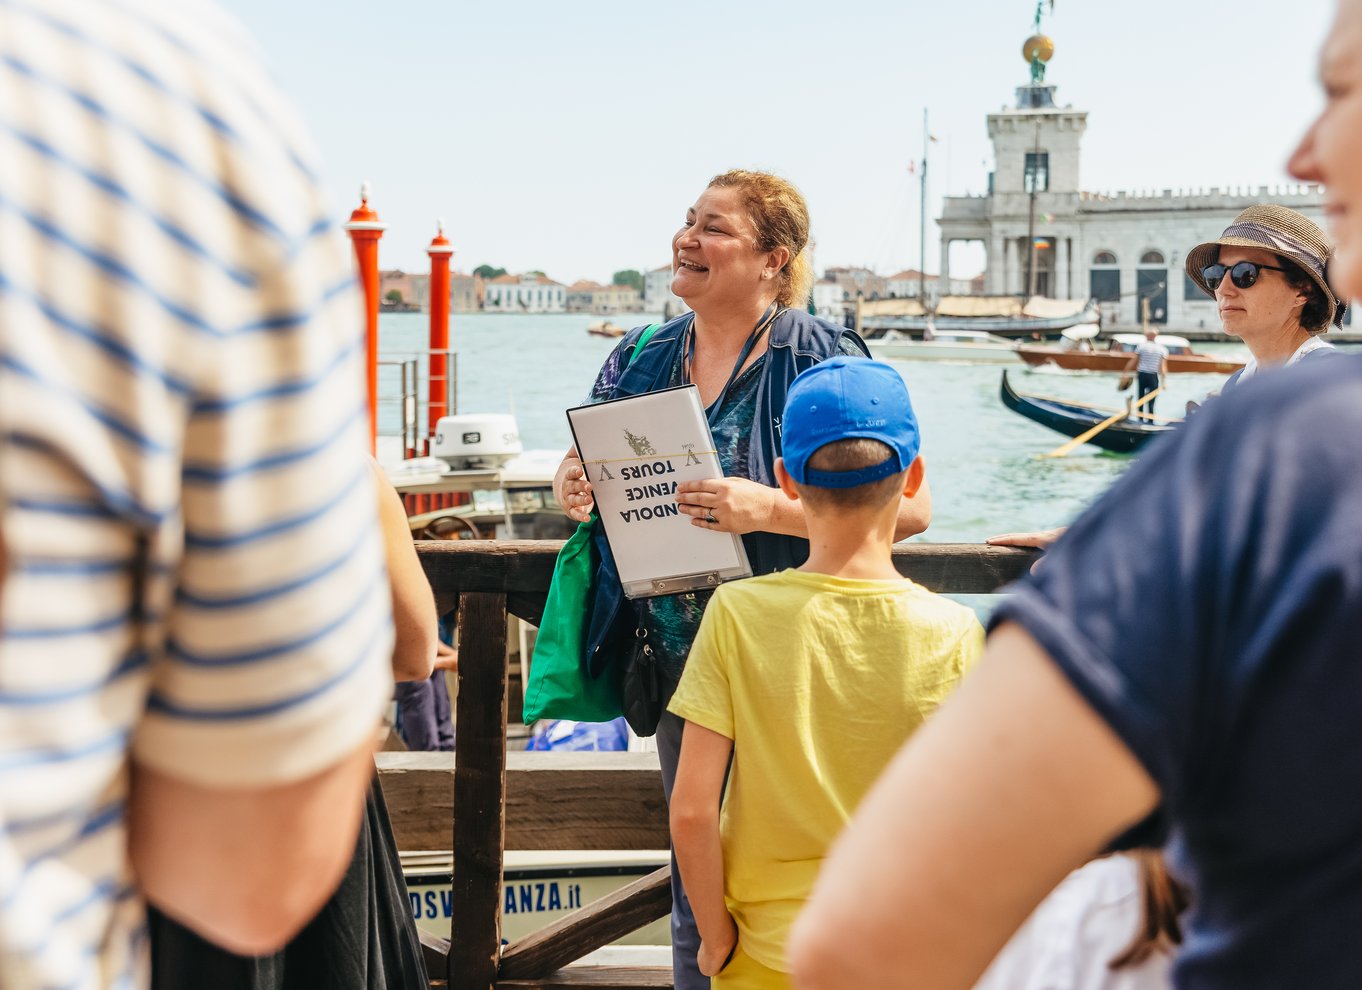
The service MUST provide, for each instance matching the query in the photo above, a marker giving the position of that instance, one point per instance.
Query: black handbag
(644, 688)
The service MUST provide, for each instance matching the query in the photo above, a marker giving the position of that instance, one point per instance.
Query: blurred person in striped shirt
(195, 629)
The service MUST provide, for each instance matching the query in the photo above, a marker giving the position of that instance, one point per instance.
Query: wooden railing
(478, 802)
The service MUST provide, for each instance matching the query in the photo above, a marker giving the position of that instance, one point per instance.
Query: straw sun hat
(1282, 231)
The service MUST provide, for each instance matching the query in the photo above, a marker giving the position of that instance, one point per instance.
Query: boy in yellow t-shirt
(811, 678)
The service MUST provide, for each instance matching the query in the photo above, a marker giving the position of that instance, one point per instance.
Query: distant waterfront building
(527, 293)
(859, 282)
(578, 296)
(907, 284)
(657, 293)
(608, 299)
(830, 300)
(414, 288)
(465, 293)
(1119, 248)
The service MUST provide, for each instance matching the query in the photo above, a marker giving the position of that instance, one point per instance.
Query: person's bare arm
(447, 658)
(1040, 539)
(1012, 784)
(246, 869)
(414, 620)
(743, 506)
(695, 834)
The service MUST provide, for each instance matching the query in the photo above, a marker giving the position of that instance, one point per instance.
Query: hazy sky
(571, 137)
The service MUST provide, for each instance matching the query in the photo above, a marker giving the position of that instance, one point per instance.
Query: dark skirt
(364, 938)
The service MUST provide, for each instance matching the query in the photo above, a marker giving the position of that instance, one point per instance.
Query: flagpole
(1031, 216)
(922, 220)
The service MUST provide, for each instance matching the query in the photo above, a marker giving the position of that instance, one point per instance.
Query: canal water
(983, 461)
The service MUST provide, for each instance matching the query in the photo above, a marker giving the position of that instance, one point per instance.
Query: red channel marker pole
(365, 230)
(440, 252)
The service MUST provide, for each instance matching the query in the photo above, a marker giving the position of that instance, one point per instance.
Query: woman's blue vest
(797, 341)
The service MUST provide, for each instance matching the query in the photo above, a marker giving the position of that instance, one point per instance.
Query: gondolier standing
(1150, 361)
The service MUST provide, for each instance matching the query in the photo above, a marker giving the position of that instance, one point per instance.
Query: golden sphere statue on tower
(1037, 50)
(1038, 46)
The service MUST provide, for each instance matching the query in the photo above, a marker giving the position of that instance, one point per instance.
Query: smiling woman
(739, 261)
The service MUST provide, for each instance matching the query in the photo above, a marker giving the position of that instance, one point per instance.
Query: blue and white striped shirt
(195, 577)
(1152, 355)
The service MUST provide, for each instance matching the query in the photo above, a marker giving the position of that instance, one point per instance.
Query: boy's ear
(785, 482)
(913, 481)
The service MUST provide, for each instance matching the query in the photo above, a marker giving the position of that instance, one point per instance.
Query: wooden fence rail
(479, 803)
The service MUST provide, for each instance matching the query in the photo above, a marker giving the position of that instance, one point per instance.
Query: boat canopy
(979, 306)
(892, 307)
(1037, 307)
(1051, 309)
(1085, 331)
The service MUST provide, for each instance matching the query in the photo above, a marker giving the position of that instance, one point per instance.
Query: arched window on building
(1104, 278)
(1151, 283)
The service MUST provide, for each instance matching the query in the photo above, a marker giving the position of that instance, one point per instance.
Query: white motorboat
(964, 346)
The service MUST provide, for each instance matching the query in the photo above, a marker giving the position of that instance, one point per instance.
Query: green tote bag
(560, 686)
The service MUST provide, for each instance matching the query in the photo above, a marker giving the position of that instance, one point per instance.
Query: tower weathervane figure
(1038, 48)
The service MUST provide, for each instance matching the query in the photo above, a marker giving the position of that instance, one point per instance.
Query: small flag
(1047, 217)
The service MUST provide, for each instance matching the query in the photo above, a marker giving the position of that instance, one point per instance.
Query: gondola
(1071, 355)
(1072, 418)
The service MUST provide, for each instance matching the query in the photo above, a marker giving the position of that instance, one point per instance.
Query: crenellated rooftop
(1214, 198)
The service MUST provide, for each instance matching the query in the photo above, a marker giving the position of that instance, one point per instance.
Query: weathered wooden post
(365, 230)
(479, 835)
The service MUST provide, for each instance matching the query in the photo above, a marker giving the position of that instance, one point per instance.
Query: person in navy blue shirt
(1185, 667)
(1185, 664)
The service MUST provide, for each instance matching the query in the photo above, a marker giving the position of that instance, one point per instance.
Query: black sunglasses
(1243, 274)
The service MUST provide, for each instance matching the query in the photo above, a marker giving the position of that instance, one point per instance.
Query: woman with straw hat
(1267, 275)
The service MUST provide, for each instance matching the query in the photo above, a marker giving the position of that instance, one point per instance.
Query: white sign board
(636, 451)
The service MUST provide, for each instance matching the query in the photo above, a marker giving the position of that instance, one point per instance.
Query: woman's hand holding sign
(728, 505)
(572, 489)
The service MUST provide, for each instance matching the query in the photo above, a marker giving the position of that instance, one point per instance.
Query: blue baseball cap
(843, 398)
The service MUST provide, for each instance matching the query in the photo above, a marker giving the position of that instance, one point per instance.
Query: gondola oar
(1087, 435)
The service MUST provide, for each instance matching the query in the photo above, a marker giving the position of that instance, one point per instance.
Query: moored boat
(965, 346)
(1075, 418)
(1073, 355)
(604, 328)
(509, 500)
(1005, 316)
